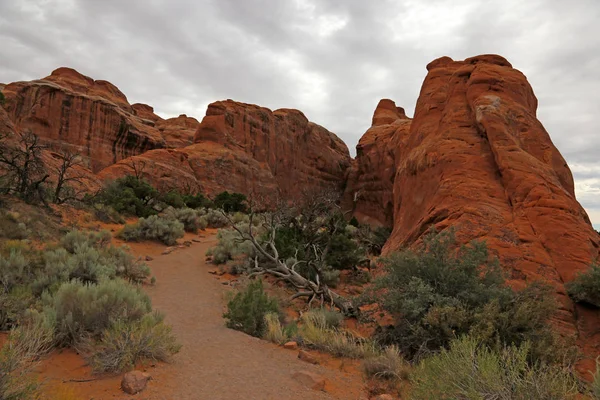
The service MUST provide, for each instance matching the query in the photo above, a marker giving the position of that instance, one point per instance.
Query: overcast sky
(332, 59)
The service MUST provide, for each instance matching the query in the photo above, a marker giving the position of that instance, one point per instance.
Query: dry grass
(316, 333)
(388, 365)
(274, 331)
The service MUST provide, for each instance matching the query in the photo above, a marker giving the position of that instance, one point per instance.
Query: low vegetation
(585, 288)
(154, 227)
(247, 310)
(469, 369)
(81, 292)
(124, 344)
(439, 294)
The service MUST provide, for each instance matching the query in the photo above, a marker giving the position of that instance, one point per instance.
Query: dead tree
(25, 172)
(67, 174)
(310, 214)
(138, 167)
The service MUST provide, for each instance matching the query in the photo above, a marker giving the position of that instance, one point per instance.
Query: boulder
(134, 382)
(307, 357)
(291, 346)
(310, 380)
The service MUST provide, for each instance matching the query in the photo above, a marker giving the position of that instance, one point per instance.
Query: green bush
(344, 252)
(229, 246)
(75, 238)
(439, 294)
(246, 311)
(153, 228)
(191, 219)
(172, 199)
(107, 214)
(2, 99)
(130, 195)
(471, 370)
(214, 219)
(197, 201)
(230, 202)
(123, 345)
(585, 287)
(87, 310)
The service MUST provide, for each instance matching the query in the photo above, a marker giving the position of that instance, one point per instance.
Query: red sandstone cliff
(370, 179)
(249, 149)
(91, 117)
(476, 158)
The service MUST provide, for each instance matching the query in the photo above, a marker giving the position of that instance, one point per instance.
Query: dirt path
(220, 363)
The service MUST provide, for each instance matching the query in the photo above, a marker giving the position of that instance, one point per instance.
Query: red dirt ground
(215, 362)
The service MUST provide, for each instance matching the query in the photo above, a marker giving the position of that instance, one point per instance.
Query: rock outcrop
(248, 149)
(92, 118)
(477, 159)
(370, 179)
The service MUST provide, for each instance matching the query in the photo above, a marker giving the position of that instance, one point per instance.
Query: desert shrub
(196, 201)
(595, 386)
(471, 370)
(329, 319)
(246, 311)
(373, 239)
(88, 265)
(214, 219)
(11, 227)
(172, 199)
(126, 266)
(87, 310)
(17, 381)
(229, 245)
(230, 202)
(274, 332)
(14, 269)
(439, 294)
(2, 99)
(129, 195)
(387, 365)
(124, 344)
(107, 214)
(344, 252)
(153, 228)
(190, 218)
(316, 333)
(585, 287)
(354, 222)
(75, 238)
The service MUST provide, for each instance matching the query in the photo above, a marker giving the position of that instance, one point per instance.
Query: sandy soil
(215, 362)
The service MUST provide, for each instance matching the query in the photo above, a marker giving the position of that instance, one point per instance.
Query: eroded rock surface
(370, 179)
(477, 159)
(86, 116)
(248, 149)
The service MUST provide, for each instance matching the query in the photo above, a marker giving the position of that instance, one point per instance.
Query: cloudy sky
(332, 59)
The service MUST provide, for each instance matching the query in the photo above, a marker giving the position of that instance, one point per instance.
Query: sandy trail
(216, 362)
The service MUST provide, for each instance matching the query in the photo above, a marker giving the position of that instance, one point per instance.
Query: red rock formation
(370, 180)
(477, 159)
(249, 149)
(90, 117)
(299, 153)
(178, 132)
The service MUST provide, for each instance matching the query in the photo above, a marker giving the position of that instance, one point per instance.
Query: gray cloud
(331, 59)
